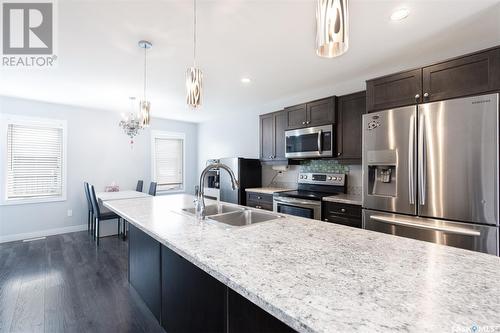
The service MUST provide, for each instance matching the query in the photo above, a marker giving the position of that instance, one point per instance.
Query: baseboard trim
(42, 233)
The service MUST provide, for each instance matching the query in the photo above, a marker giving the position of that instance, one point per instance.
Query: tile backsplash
(329, 166)
(288, 179)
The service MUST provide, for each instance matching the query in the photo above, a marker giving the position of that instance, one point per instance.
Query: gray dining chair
(152, 188)
(90, 216)
(139, 186)
(98, 216)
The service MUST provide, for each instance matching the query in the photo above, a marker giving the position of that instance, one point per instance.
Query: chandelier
(194, 76)
(133, 123)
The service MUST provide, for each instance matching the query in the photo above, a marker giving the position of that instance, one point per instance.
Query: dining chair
(98, 216)
(152, 188)
(140, 183)
(90, 213)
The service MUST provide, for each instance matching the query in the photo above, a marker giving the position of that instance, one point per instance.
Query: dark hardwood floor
(65, 284)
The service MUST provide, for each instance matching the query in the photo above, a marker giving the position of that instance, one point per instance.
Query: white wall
(99, 153)
(236, 136)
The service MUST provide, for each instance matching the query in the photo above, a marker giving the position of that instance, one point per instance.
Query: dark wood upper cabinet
(468, 75)
(267, 136)
(350, 112)
(394, 90)
(321, 112)
(272, 137)
(296, 116)
(315, 113)
(279, 136)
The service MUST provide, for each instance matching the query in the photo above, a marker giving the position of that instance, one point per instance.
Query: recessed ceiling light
(400, 14)
(245, 80)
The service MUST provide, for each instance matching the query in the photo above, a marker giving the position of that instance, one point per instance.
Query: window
(35, 160)
(168, 160)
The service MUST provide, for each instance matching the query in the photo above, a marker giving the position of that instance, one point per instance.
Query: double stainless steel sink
(234, 216)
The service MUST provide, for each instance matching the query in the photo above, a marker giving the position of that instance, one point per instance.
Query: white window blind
(169, 159)
(34, 161)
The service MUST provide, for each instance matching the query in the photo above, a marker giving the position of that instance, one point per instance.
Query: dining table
(127, 194)
(118, 195)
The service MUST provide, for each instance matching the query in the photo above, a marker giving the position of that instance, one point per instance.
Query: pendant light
(194, 76)
(144, 104)
(332, 28)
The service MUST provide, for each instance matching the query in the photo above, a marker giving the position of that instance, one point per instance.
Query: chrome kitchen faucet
(200, 197)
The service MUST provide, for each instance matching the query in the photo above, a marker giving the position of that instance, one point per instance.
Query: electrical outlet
(70, 212)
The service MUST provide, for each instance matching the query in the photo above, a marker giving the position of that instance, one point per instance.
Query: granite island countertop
(324, 277)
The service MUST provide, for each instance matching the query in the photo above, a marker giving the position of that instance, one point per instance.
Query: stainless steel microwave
(310, 142)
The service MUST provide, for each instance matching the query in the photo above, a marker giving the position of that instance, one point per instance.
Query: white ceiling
(270, 41)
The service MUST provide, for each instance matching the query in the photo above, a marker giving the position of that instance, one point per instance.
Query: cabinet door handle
(338, 154)
(326, 220)
(417, 97)
(343, 210)
(259, 207)
(426, 95)
(270, 156)
(260, 198)
(303, 123)
(308, 122)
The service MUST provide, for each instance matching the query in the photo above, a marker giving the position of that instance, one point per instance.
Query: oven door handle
(320, 142)
(297, 202)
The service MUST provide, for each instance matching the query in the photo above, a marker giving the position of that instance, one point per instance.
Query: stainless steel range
(306, 200)
(430, 172)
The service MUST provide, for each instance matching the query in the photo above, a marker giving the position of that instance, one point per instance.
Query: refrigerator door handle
(411, 162)
(406, 223)
(421, 160)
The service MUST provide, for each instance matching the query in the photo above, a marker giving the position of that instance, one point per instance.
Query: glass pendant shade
(145, 112)
(332, 28)
(194, 86)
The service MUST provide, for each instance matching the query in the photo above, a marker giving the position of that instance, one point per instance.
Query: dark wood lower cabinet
(185, 298)
(192, 300)
(340, 213)
(246, 317)
(144, 268)
(260, 200)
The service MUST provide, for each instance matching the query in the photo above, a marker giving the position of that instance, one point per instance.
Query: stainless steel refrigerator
(248, 171)
(430, 172)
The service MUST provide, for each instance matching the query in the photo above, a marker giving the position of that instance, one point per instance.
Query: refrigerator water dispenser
(382, 173)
